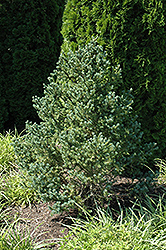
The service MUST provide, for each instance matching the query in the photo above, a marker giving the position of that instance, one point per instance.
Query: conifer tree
(134, 35)
(87, 136)
(30, 46)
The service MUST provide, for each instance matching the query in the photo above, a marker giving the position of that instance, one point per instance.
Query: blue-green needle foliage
(87, 133)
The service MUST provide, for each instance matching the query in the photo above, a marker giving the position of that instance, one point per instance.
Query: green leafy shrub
(88, 134)
(133, 33)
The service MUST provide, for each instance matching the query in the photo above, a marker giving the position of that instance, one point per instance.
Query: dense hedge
(30, 43)
(134, 35)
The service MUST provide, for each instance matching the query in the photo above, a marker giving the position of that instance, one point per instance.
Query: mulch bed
(42, 226)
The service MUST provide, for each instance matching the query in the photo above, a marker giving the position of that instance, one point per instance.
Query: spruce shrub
(88, 134)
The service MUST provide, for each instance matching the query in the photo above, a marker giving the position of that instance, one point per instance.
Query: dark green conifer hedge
(134, 35)
(30, 43)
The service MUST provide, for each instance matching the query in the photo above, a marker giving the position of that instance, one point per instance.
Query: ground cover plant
(162, 170)
(7, 156)
(12, 239)
(88, 134)
(142, 228)
(14, 187)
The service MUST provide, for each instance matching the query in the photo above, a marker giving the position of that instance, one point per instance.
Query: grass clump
(15, 186)
(141, 228)
(12, 239)
(162, 170)
(15, 189)
(7, 155)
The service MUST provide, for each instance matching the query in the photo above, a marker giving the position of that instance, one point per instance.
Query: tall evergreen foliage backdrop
(134, 35)
(30, 43)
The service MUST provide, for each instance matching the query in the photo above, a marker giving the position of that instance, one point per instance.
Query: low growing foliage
(12, 239)
(140, 229)
(162, 170)
(15, 189)
(87, 135)
(14, 184)
(7, 156)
